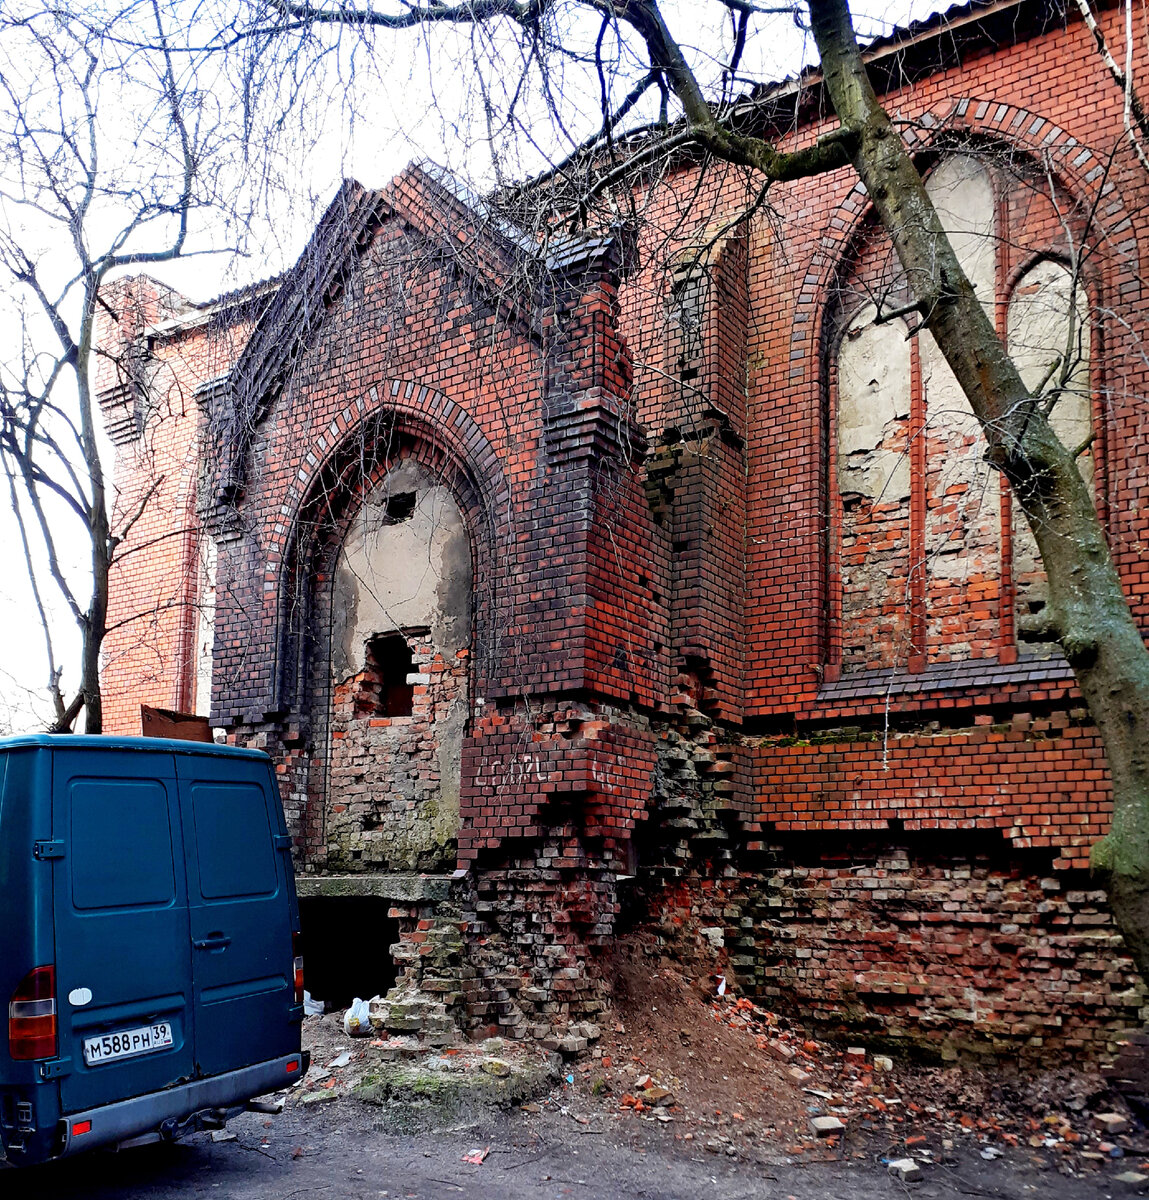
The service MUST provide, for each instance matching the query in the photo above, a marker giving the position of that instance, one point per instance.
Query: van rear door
(123, 951)
(242, 911)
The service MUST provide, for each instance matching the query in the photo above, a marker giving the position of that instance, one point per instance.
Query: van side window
(119, 824)
(233, 841)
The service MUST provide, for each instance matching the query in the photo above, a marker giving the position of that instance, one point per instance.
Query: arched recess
(1082, 172)
(955, 534)
(389, 586)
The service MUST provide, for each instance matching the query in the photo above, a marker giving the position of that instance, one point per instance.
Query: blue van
(149, 940)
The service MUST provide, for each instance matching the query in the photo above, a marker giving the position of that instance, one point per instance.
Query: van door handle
(217, 941)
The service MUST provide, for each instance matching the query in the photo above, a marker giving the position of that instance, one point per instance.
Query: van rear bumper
(141, 1114)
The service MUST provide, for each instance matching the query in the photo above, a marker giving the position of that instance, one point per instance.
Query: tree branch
(118, 538)
(45, 625)
(466, 12)
(183, 204)
(1123, 79)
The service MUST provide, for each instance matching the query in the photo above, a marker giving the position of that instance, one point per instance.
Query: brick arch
(413, 420)
(1075, 165)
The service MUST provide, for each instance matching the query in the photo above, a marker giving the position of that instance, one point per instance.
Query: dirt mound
(712, 1054)
(721, 1071)
(674, 1062)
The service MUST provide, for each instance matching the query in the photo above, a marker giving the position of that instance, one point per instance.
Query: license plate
(127, 1043)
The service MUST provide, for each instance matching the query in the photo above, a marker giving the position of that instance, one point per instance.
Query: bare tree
(121, 142)
(670, 98)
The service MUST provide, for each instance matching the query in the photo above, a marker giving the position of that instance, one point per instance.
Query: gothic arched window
(932, 562)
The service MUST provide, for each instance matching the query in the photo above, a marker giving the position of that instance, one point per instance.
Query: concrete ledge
(411, 888)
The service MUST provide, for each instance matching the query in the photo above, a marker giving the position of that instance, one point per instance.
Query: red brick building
(642, 589)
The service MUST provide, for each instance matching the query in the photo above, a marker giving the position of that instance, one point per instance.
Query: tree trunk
(99, 531)
(1088, 611)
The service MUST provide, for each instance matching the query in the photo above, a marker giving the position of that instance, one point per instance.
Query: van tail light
(32, 1016)
(297, 955)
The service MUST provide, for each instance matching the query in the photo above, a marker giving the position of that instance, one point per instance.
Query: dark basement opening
(337, 966)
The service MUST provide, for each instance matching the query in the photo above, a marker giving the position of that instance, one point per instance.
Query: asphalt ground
(337, 1152)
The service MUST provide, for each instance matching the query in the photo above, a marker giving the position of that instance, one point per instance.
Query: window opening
(935, 562)
(385, 691)
(400, 507)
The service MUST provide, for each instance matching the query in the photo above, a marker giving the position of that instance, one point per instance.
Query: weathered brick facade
(750, 663)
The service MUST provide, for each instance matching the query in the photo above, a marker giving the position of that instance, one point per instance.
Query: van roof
(82, 741)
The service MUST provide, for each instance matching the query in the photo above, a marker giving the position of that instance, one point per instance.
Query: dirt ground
(681, 1096)
(718, 1079)
(746, 1083)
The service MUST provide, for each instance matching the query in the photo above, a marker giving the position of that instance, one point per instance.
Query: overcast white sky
(418, 94)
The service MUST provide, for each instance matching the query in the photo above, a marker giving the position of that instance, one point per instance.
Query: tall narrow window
(874, 486)
(960, 547)
(1049, 339)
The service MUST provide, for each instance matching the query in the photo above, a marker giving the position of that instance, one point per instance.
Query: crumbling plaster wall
(873, 450)
(936, 563)
(404, 569)
(1049, 349)
(962, 535)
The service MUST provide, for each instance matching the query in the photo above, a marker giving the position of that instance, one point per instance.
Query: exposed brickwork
(520, 771)
(785, 497)
(1041, 783)
(511, 953)
(149, 406)
(706, 650)
(386, 808)
(944, 954)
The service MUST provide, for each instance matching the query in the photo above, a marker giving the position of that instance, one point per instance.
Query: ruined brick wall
(687, 318)
(891, 590)
(955, 953)
(930, 559)
(750, 617)
(988, 100)
(525, 769)
(1038, 783)
(523, 421)
(398, 658)
(511, 951)
(393, 803)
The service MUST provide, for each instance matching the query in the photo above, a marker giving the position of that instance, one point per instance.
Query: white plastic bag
(311, 1008)
(357, 1022)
